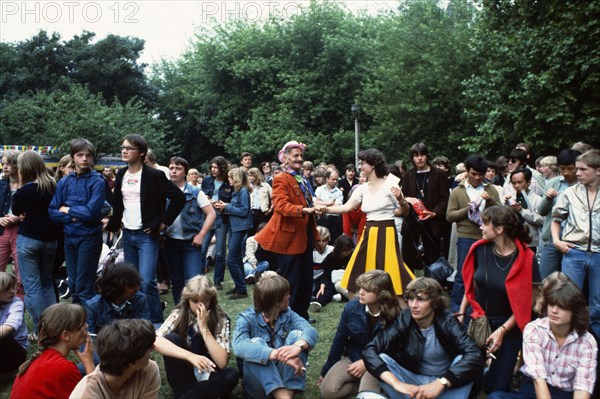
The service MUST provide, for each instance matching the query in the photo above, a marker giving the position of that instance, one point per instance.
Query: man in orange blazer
(290, 234)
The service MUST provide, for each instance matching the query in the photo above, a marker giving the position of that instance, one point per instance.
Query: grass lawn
(327, 321)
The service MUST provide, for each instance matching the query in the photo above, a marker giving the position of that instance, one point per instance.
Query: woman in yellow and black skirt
(378, 247)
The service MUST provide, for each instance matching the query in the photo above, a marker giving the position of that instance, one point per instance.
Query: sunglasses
(513, 160)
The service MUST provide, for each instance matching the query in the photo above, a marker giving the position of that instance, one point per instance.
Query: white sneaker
(314, 307)
(337, 298)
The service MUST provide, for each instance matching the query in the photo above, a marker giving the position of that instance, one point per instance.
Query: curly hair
(115, 279)
(124, 342)
(222, 166)
(380, 282)
(431, 288)
(376, 159)
(504, 216)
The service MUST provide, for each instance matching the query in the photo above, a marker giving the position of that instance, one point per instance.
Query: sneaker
(337, 298)
(314, 307)
(219, 286)
(250, 279)
(238, 295)
(63, 290)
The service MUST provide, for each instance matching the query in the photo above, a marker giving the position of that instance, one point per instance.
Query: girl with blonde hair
(261, 199)
(200, 325)
(13, 330)
(49, 374)
(36, 239)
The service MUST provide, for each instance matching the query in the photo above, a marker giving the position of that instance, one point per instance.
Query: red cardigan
(519, 283)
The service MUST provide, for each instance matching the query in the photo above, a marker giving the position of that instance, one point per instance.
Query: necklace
(496, 255)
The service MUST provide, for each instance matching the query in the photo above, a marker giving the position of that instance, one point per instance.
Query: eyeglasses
(513, 160)
(128, 149)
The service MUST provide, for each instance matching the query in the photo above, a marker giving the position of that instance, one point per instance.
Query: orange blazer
(287, 230)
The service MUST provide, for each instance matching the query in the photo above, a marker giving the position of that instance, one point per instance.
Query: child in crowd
(320, 252)
(255, 261)
(273, 342)
(336, 260)
(13, 330)
(125, 369)
(49, 374)
(199, 325)
(344, 374)
(560, 355)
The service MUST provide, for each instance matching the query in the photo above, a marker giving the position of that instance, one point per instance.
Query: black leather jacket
(402, 340)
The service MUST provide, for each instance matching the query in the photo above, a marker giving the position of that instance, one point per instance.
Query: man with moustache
(290, 234)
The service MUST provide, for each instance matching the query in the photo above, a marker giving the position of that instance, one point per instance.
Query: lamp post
(356, 110)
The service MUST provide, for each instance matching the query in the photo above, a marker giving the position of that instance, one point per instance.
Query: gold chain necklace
(497, 255)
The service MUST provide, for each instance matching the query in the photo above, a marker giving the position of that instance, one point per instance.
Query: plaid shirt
(221, 336)
(571, 367)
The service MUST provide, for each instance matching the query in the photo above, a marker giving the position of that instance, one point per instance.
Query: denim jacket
(100, 313)
(352, 335)
(191, 216)
(239, 212)
(225, 193)
(5, 199)
(254, 340)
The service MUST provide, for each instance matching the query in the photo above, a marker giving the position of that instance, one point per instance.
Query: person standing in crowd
(290, 234)
(579, 242)
(13, 328)
(378, 247)
(560, 355)
(551, 258)
(430, 186)
(328, 195)
(49, 373)
(9, 223)
(424, 352)
(537, 181)
(36, 242)
(307, 171)
(184, 237)
(141, 210)
(150, 160)
(501, 276)
(261, 199)
(246, 161)
(471, 197)
(216, 187)
(199, 324)
(348, 181)
(273, 342)
(525, 203)
(193, 178)
(267, 172)
(78, 204)
(239, 217)
(344, 374)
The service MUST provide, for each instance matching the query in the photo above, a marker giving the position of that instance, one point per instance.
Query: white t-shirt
(176, 229)
(132, 203)
(378, 206)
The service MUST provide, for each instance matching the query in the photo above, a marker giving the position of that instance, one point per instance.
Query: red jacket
(287, 230)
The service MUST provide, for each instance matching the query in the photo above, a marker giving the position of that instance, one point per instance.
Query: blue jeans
(82, 254)
(409, 377)
(234, 260)
(260, 267)
(141, 250)
(550, 259)
(527, 391)
(219, 230)
(500, 374)
(35, 260)
(260, 380)
(579, 265)
(184, 261)
(458, 289)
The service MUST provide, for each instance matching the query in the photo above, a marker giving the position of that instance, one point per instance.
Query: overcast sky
(166, 26)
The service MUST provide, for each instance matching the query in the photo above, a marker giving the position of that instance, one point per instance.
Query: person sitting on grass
(273, 342)
(13, 330)
(125, 369)
(200, 325)
(337, 260)
(558, 351)
(255, 261)
(376, 305)
(49, 374)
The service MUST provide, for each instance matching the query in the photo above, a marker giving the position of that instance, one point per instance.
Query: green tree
(538, 79)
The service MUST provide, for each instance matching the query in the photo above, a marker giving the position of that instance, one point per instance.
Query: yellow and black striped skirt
(378, 249)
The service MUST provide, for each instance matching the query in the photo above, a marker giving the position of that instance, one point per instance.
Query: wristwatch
(444, 382)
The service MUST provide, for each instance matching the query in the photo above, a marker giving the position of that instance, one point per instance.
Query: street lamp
(356, 110)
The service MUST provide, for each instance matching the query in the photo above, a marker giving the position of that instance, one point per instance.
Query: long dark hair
(504, 216)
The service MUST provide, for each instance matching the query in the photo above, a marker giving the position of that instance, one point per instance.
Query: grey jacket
(582, 226)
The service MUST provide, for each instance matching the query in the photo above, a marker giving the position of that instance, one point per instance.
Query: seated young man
(125, 369)
(559, 354)
(425, 352)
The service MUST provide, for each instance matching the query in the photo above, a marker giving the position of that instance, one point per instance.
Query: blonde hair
(53, 322)
(7, 280)
(33, 169)
(259, 176)
(550, 161)
(324, 233)
(240, 180)
(64, 162)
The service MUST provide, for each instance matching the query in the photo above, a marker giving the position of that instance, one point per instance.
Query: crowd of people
(519, 317)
